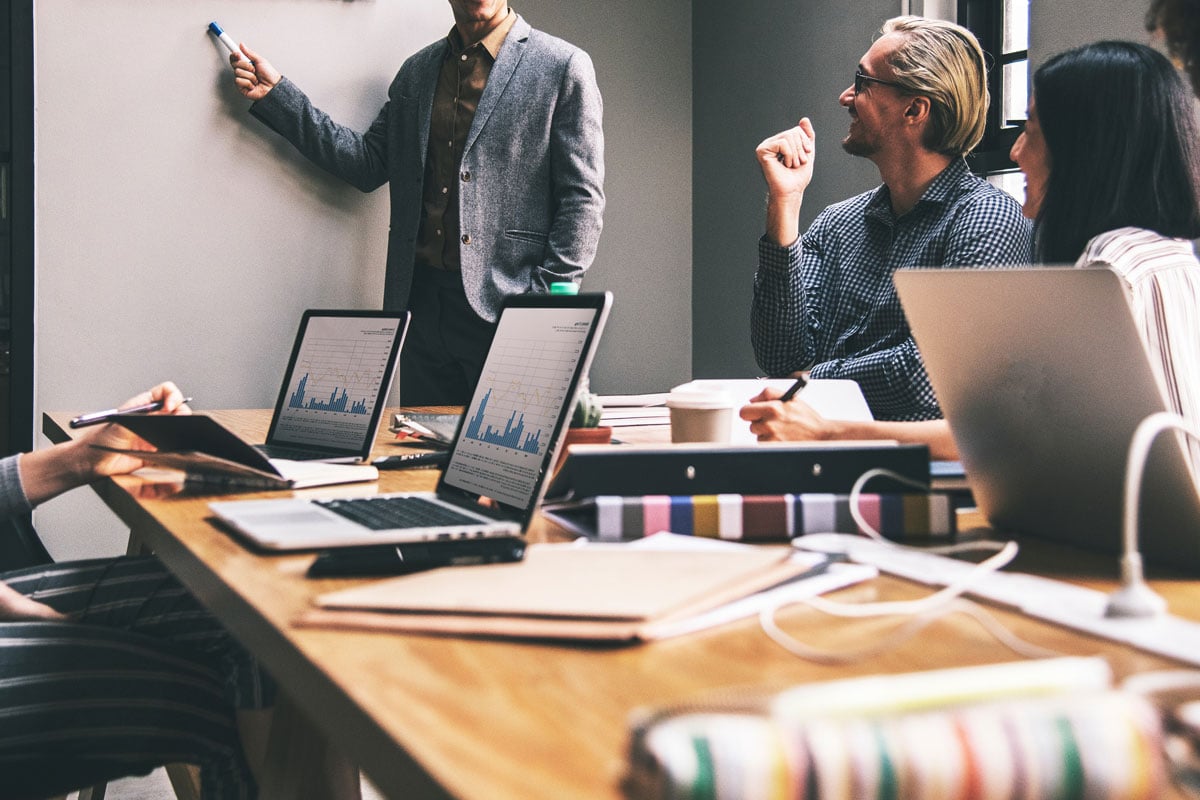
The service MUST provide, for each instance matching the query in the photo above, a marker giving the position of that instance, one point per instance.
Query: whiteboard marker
(225, 38)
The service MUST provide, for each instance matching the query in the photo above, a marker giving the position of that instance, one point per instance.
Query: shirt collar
(945, 187)
(492, 42)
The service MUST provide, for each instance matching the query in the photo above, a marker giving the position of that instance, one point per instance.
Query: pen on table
(800, 383)
(97, 417)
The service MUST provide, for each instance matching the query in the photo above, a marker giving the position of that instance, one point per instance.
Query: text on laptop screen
(334, 383)
(522, 393)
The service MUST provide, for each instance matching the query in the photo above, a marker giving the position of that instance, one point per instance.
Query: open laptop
(336, 385)
(1043, 377)
(499, 461)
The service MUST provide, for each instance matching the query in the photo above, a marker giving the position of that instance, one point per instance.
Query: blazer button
(466, 176)
(466, 238)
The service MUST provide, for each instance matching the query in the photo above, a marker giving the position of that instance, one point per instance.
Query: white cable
(868, 530)
(1135, 598)
(923, 611)
(902, 634)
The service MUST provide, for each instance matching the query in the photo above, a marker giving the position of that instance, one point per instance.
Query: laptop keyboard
(291, 453)
(386, 513)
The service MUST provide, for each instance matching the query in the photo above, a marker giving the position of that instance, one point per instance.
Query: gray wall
(179, 238)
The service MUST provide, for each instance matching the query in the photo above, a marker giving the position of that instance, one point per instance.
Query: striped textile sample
(1079, 745)
(773, 518)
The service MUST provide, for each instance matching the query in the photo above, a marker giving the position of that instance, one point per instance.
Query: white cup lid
(693, 397)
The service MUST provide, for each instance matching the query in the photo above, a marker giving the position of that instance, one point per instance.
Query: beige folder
(596, 592)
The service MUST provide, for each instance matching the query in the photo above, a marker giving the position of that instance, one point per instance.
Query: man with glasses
(824, 302)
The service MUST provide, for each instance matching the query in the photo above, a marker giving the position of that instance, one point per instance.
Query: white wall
(179, 238)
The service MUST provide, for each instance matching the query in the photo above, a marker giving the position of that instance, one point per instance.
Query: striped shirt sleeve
(12, 494)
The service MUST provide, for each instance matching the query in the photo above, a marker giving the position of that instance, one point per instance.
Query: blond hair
(945, 63)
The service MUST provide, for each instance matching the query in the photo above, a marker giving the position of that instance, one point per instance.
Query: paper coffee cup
(700, 415)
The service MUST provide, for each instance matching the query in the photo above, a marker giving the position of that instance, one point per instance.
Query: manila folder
(596, 592)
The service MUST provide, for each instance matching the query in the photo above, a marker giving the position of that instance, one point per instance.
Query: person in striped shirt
(109, 667)
(1109, 156)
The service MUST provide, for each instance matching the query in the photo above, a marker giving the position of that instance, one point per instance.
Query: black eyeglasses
(860, 77)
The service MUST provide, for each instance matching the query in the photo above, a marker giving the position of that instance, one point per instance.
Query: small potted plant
(585, 422)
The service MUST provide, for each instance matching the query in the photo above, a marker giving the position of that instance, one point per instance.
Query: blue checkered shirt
(826, 303)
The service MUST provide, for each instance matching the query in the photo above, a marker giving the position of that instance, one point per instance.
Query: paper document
(588, 592)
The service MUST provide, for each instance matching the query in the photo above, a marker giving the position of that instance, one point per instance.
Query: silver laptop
(336, 385)
(499, 461)
(1043, 377)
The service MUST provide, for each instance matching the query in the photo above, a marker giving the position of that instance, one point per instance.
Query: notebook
(1043, 377)
(335, 386)
(499, 460)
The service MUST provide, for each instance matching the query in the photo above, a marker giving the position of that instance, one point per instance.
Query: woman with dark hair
(1109, 159)
(1111, 144)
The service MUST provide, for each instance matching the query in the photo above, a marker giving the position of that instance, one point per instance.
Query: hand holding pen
(792, 390)
(100, 417)
(96, 447)
(784, 417)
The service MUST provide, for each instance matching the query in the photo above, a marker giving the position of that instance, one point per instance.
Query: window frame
(985, 18)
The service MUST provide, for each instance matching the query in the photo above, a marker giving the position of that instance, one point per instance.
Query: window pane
(1016, 25)
(1015, 91)
(1011, 182)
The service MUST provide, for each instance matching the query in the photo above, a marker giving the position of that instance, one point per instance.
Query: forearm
(933, 432)
(783, 218)
(359, 159)
(51, 471)
(780, 316)
(893, 381)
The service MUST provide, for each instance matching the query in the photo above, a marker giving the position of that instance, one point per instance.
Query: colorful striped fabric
(1078, 745)
(773, 518)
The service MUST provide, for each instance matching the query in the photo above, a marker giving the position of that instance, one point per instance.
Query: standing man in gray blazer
(491, 143)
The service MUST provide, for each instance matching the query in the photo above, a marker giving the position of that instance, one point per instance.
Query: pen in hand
(98, 417)
(792, 390)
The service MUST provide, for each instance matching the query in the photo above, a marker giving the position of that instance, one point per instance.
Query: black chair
(20, 545)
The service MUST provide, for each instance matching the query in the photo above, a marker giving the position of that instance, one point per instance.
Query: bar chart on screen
(335, 380)
(520, 400)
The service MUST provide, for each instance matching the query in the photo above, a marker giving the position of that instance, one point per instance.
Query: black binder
(785, 468)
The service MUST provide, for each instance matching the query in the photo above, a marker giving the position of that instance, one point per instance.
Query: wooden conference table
(435, 717)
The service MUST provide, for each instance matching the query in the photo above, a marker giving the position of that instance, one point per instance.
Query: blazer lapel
(425, 100)
(502, 71)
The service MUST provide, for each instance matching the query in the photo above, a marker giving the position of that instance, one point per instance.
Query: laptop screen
(541, 349)
(337, 381)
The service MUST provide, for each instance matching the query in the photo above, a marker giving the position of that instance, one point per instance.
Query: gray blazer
(531, 181)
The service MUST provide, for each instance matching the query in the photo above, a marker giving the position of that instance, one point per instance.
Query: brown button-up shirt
(460, 84)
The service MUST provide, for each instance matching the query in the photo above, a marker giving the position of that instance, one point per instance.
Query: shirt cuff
(12, 494)
(827, 369)
(773, 257)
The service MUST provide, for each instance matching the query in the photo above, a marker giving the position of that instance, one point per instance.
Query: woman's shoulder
(1127, 249)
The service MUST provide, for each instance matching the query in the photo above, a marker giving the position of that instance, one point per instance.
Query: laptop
(499, 460)
(1043, 378)
(336, 384)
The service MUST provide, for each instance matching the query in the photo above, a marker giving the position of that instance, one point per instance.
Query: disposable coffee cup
(700, 415)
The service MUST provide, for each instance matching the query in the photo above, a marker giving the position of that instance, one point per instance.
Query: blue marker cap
(215, 29)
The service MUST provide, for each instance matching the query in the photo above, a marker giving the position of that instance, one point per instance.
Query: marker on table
(97, 417)
(225, 38)
(800, 383)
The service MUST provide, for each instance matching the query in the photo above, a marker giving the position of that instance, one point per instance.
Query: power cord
(945, 601)
(1135, 599)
